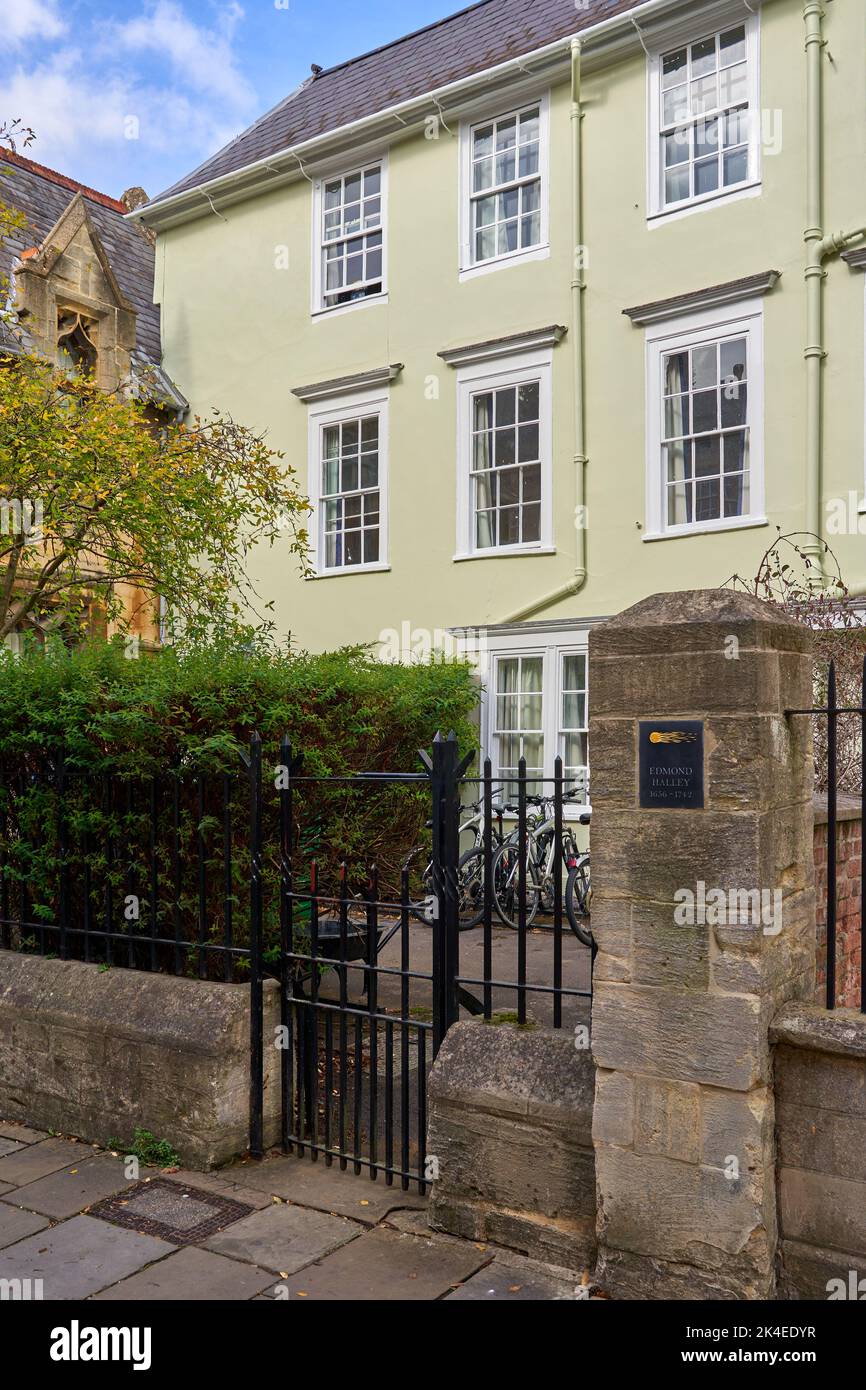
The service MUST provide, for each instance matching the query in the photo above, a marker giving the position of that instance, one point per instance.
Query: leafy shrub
(152, 753)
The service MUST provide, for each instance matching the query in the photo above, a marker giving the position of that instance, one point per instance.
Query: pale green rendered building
(555, 305)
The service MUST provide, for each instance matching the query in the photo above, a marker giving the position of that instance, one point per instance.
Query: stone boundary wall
(97, 1053)
(510, 1134)
(820, 1082)
(849, 870)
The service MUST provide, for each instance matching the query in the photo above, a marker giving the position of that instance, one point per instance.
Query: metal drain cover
(171, 1210)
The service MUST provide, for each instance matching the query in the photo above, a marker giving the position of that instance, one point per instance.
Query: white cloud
(200, 58)
(26, 19)
(172, 82)
(52, 98)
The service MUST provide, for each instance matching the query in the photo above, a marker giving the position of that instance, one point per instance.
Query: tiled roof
(43, 195)
(477, 38)
(62, 180)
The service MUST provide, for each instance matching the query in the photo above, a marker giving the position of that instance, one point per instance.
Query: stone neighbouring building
(80, 294)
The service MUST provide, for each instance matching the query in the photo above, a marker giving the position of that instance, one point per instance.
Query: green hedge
(189, 716)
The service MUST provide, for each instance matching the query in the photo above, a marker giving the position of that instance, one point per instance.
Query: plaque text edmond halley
(671, 763)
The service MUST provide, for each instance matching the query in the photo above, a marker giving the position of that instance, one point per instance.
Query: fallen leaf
(514, 1288)
(301, 1294)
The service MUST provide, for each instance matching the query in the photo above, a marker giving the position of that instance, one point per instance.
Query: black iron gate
(370, 980)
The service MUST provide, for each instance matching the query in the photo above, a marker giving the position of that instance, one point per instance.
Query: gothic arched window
(76, 350)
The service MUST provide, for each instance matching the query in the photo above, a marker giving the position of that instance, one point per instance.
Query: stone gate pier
(704, 915)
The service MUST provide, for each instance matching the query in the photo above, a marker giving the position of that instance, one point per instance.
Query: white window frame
(553, 648)
(693, 31)
(489, 376)
(561, 733)
(745, 319)
(469, 268)
(332, 412)
(319, 308)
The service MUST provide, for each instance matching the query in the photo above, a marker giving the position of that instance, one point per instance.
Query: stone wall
(849, 869)
(820, 1076)
(510, 1135)
(96, 1053)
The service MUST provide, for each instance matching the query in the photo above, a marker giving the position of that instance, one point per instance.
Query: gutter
(293, 155)
(578, 285)
(819, 249)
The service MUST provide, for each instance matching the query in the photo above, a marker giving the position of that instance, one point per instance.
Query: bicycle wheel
(470, 889)
(506, 886)
(578, 899)
(470, 892)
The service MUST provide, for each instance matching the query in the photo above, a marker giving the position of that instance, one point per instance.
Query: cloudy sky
(123, 92)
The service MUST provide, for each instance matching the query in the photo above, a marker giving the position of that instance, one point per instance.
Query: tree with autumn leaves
(96, 498)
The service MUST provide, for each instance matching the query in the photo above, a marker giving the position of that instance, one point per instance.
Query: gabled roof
(468, 42)
(43, 195)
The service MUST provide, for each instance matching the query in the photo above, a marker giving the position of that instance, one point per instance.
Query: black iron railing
(237, 876)
(832, 712)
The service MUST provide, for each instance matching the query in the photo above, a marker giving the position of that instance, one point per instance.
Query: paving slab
(79, 1257)
(414, 1223)
(70, 1190)
(9, 1146)
(215, 1182)
(6, 1187)
(191, 1275)
(312, 1184)
(284, 1238)
(386, 1266)
(16, 1224)
(504, 1282)
(37, 1160)
(10, 1129)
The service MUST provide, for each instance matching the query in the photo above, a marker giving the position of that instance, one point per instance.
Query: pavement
(91, 1224)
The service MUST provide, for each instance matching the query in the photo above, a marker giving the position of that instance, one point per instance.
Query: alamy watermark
(409, 645)
(729, 907)
(22, 516)
(853, 1289)
(21, 1290)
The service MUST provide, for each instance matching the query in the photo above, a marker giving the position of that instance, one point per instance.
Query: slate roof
(43, 195)
(467, 42)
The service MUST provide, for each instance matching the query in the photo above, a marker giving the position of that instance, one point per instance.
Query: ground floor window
(536, 707)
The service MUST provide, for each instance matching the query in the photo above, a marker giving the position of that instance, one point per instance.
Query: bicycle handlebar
(572, 792)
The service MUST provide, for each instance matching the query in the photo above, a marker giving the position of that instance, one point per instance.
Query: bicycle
(540, 887)
(470, 868)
